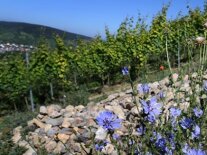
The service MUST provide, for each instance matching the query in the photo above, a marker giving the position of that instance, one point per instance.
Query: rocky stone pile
(72, 130)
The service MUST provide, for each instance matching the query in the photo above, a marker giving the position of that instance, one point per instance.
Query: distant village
(11, 47)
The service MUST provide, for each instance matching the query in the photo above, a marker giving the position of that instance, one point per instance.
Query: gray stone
(43, 110)
(185, 87)
(109, 149)
(63, 137)
(52, 132)
(112, 96)
(121, 94)
(164, 82)
(135, 111)
(60, 148)
(53, 109)
(30, 150)
(67, 131)
(169, 95)
(66, 123)
(55, 114)
(154, 87)
(118, 110)
(54, 121)
(70, 108)
(69, 114)
(184, 106)
(36, 140)
(78, 122)
(205, 77)
(50, 146)
(101, 134)
(79, 108)
(17, 134)
(40, 116)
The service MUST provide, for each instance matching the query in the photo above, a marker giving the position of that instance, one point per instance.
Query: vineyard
(47, 74)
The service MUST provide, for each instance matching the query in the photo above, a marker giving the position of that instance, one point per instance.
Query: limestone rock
(154, 87)
(67, 131)
(164, 82)
(79, 108)
(50, 146)
(38, 123)
(55, 114)
(109, 149)
(30, 150)
(52, 132)
(43, 110)
(205, 77)
(169, 96)
(101, 134)
(184, 106)
(66, 123)
(54, 121)
(70, 108)
(118, 110)
(63, 137)
(47, 127)
(17, 134)
(112, 96)
(60, 148)
(135, 111)
(40, 116)
(53, 110)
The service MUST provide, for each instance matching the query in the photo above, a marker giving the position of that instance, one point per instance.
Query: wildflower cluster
(159, 128)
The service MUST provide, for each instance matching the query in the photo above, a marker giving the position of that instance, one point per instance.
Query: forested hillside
(29, 34)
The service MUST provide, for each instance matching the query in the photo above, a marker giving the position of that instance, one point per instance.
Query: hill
(25, 33)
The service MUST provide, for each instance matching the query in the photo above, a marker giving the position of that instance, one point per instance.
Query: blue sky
(87, 17)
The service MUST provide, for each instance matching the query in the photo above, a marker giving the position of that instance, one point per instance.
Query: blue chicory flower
(131, 142)
(141, 130)
(186, 123)
(151, 108)
(161, 94)
(198, 112)
(125, 70)
(191, 151)
(175, 112)
(144, 88)
(99, 147)
(168, 151)
(108, 120)
(195, 152)
(161, 144)
(136, 152)
(185, 148)
(171, 139)
(116, 136)
(196, 132)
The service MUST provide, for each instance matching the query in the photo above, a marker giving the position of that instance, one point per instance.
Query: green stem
(168, 60)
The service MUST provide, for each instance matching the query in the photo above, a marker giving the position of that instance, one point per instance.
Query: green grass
(7, 124)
